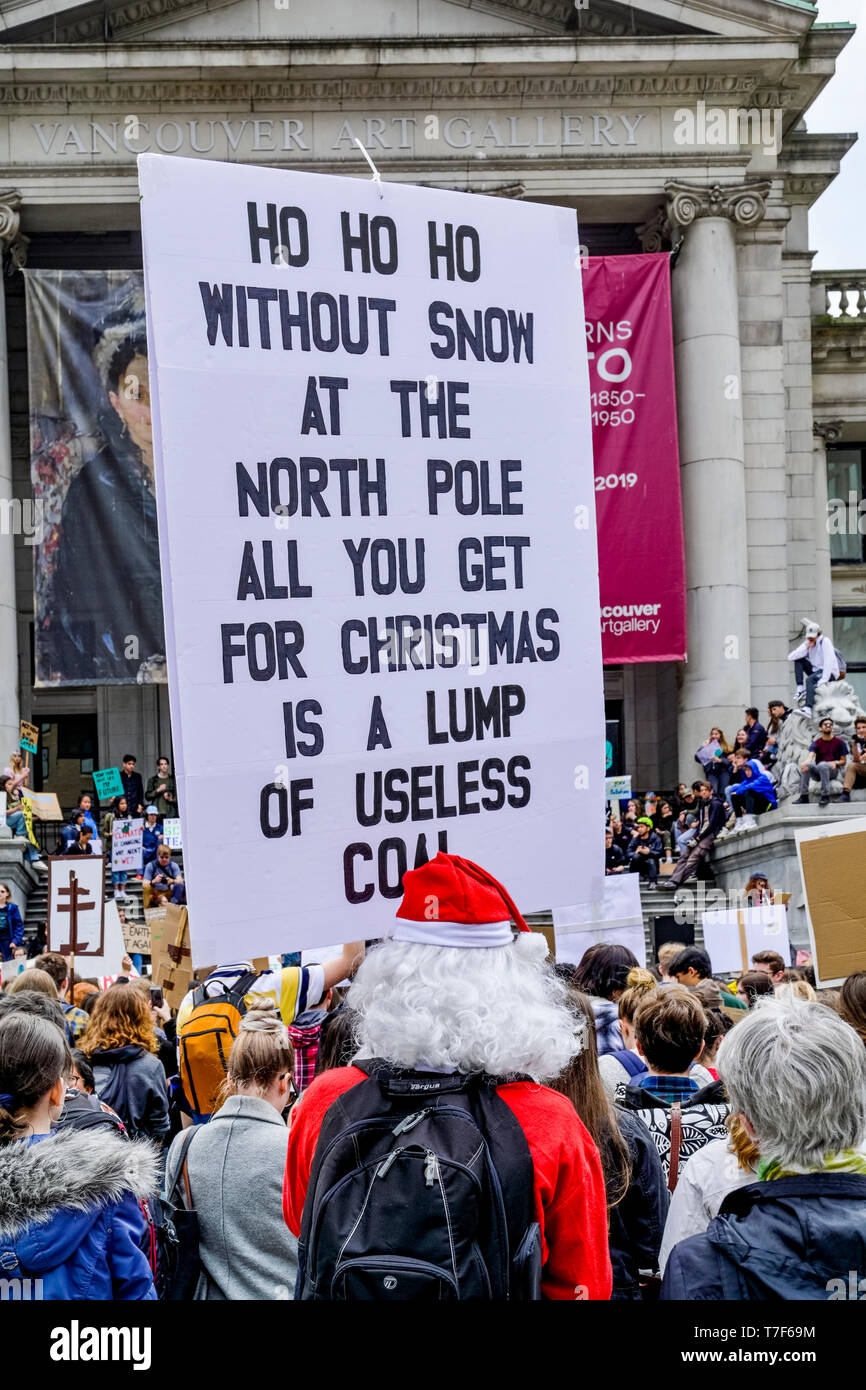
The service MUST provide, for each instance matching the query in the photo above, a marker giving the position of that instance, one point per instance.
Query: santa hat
(452, 902)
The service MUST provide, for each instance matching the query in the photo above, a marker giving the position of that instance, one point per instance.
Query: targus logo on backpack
(423, 1085)
(389, 1282)
(76, 1343)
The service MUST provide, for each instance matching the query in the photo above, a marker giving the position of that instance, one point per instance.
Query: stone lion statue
(835, 700)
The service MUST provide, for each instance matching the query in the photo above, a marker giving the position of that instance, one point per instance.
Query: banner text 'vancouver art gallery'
(377, 535)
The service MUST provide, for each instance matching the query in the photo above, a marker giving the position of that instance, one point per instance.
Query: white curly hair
(500, 1009)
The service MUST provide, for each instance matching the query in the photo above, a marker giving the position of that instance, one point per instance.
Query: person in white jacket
(710, 1174)
(815, 662)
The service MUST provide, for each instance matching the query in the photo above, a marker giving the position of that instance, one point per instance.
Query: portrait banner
(97, 596)
(641, 560)
(377, 533)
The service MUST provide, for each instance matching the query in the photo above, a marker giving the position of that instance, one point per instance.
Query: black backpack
(421, 1189)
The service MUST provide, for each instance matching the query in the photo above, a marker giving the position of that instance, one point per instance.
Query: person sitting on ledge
(754, 795)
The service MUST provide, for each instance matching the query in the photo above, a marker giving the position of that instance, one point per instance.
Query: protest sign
(617, 787)
(136, 936)
(833, 872)
(77, 883)
(389, 641)
(45, 805)
(614, 916)
(28, 736)
(171, 833)
(171, 961)
(107, 783)
(126, 846)
(732, 937)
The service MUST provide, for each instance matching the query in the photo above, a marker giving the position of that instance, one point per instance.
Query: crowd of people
(444, 1114)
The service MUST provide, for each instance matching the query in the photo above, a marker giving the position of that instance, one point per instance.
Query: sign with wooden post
(28, 736)
(76, 892)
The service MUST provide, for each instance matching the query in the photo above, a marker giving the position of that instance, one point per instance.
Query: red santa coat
(570, 1201)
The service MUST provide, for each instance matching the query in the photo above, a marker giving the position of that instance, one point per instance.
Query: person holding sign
(151, 835)
(17, 775)
(18, 825)
(133, 786)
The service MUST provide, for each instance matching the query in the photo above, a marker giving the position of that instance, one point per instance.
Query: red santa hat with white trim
(452, 902)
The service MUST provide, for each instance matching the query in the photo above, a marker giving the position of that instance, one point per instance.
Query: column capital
(743, 203)
(12, 239)
(828, 430)
(655, 233)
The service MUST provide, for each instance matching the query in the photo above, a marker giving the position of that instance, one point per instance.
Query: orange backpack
(205, 1041)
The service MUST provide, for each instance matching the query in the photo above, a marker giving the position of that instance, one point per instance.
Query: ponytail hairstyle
(34, 1055)
(639, 983)
(260, 1053)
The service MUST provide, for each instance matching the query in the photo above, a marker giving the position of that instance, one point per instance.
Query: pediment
(69, 21)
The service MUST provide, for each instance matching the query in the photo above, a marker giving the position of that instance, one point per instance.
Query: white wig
(498, 1009)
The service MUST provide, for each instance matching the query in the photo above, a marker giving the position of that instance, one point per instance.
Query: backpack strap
(512, 1164)
(237, 994)
(676, 1144)
(182, 1173)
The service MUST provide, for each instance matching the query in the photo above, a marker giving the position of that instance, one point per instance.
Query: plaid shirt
(671, 1087)
(305, 1041)
(76, 1023)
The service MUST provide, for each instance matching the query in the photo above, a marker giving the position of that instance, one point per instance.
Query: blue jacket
(607, 1034)
(791, 1238)
(70, 1215)
(132, 1082)
(758, 782)
(15, 928)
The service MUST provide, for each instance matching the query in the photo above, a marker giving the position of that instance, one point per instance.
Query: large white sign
(375, 491)
(76, 880)
(733, 938)
(126, 846)
(613, 917)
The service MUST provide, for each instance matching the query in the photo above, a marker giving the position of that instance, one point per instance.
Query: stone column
(715, 685)
(825, 432)
(14, 244)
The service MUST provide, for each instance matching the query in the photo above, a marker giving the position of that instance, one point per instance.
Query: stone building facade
(666, 126)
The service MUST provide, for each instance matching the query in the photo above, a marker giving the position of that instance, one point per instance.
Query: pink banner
(634, 434)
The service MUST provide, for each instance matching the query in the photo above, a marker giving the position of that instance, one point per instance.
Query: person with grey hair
(795, 1074)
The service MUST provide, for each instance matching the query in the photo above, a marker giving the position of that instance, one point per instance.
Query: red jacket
(570, 1202)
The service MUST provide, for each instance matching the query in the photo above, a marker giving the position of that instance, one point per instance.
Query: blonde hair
(639, 983)
(797, 989)
(260, 1053)
(667, 952)
(35, 979)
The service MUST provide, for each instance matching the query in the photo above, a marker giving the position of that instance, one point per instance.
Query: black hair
(692, 956)
(752, 712)
(84, 1067)
(696, 786)
(337, 1043)
(133, 345)
(129, 758)
(604, 969)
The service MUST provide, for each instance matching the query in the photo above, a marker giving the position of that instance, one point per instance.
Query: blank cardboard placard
(833, 869)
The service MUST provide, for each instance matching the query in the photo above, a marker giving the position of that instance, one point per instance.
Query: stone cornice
(743, 203)
(331, 91)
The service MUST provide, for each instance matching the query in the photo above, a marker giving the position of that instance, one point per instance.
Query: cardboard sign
(28, 736)
(171, 832)
(732, 937)
(126, 846)
(379, 594)
(833, 871)
(171, 959)
(45, 805)
(617, 787)
(136, 937)
(107, 783)
(85, 875)
(613, 917)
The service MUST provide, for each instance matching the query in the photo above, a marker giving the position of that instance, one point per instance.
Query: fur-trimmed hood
(53, 1189)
